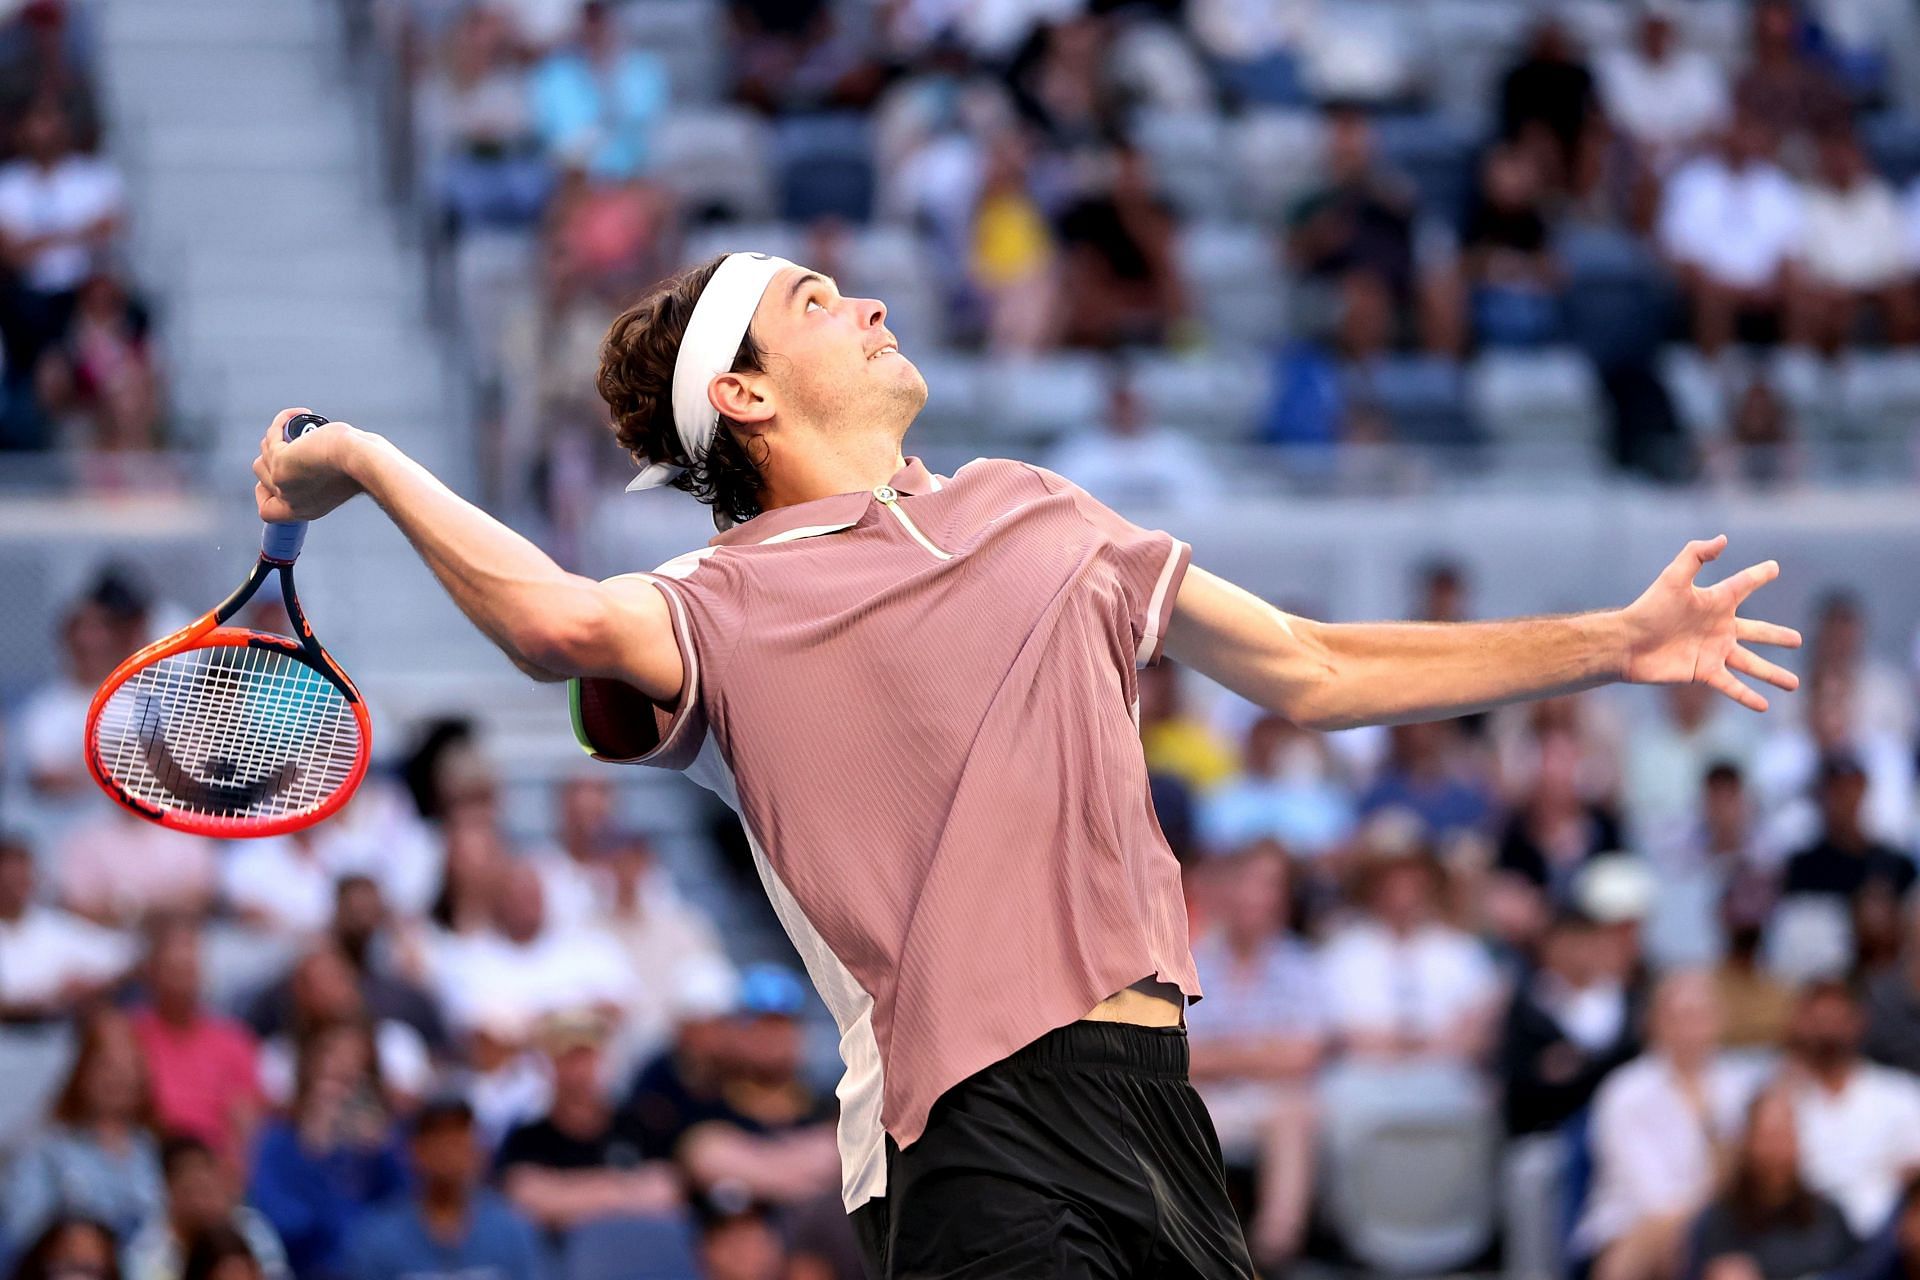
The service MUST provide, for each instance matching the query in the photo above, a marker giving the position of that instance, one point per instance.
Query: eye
(814, 304)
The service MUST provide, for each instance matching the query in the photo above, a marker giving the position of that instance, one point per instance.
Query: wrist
(360, 456)
(1614, 644)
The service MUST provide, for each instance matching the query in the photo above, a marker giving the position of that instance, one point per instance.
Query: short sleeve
(1152, 564)
(615, 722)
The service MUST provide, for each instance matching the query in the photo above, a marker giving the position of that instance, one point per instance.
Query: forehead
(779, 301)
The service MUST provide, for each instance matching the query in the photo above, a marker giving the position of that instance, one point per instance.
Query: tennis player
(918, 691)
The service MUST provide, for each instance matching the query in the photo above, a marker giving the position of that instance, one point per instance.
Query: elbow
(1314, 698)
(559, 643)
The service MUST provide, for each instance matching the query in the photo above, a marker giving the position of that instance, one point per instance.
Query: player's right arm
(550, 623)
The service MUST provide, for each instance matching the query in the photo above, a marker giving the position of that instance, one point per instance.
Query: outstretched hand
(1680, 633)
(306, 478)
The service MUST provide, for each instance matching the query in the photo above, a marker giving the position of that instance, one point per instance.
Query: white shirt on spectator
(1156, 468)
(573, 892)
(1665, 104)
(1652, 1151)
(487, 975)
(1855, 238)
(406, 1066)
(1419, 985)
(1783, 778)
(1664, 768)
(46, 948)
(667, 941)
(1279, 993)
(1738, 226)
(291, 886)
(1857, 1145)
(64, 200)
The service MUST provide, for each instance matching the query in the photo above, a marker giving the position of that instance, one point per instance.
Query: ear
(743, 397)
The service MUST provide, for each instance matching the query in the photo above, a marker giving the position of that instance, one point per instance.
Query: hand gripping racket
(226, 731)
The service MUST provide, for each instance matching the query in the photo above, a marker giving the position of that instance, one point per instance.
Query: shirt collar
(825, 515)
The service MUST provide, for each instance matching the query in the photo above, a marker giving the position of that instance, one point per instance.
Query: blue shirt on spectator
(393, 1243)
(603, 118)
(1445, 805)
(313, 1198)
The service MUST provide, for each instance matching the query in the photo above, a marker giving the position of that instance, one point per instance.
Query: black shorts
(1085, 1154)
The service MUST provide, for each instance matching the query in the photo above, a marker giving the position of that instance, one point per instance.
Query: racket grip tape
(281, 543)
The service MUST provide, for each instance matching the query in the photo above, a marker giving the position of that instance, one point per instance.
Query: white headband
(714, 333)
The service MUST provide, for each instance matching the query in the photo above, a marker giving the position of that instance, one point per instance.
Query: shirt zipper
(890, 498)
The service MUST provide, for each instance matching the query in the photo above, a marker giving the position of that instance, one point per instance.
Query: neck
(443, 1199)
(820, 470)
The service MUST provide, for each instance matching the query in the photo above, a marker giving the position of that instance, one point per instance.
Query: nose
(872, 312)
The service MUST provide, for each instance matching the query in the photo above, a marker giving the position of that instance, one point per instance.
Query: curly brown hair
(636, 381)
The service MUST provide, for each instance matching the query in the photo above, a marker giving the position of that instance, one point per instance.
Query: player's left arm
(1337, 675)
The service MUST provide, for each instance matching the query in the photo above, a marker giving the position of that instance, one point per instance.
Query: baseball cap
(1614, 888)
(704, 986)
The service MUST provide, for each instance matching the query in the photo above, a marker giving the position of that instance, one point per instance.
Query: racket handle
(281, 543)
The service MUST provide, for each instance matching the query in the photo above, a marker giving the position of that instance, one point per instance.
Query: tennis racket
(226, 731)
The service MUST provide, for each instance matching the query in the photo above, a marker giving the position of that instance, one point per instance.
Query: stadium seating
(635, 1248)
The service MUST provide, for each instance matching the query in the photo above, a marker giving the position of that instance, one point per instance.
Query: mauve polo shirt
(921, 701)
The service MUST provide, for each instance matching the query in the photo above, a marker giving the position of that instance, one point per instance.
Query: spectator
(1783, 87)
(1712, 855)
(1786, 766)
(599, 102)
(205, 1075)
(1733, 225)
(583, 1160)
(1883, 694)
(50, 960)
(1769, 1224)
(281, 885)
(60, 216)
(1758, 1006)
(1845, 859)
(448, 1224)
(332, 1157)
(1571, 1021)
(104, 368)
(1665, 98)
(1258, 1040)
(123, 871)
(1854, 245)
(1893, 1006)
(519, 965)
(798, 55)
(1177, 742)
(1121, 285)
(1666, 762)
(72, 1247)
(221, 1253)
(1256, 47)
(201, 1198)
(359, 931)
(1286, 792)
(1894, 1254)
(738, 1240)
(1758, 447)
(1553, 834)
(575, 876)
(1400, 982)
(767, 1129)
(477, 125)
(462, 909)
(1513, 277)
(680, 1086)
(1859, 1122)
(97, 1155)
(1420, 775)
(1352, 241)
(1659, 1126)
(1013, 258)
(1129, 463)
(322, 991)
(1548, 105)
(664, 937)
(103, 626)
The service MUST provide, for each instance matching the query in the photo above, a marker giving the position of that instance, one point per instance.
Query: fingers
(272, 507)
(265, 477)
(1749, 663)
(1751, 579)
(1699, 552)
(1723, 681)
(1754, 631)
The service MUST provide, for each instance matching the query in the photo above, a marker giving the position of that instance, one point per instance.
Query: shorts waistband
(1151, 1050)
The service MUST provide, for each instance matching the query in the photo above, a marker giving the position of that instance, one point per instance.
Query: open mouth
(888, 350)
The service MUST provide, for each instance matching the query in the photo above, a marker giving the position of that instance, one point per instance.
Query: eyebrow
(801, 281)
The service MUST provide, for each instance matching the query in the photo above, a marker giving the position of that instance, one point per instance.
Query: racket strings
(229, 732)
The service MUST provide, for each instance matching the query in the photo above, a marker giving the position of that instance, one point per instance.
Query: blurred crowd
(1633, 975)
(78, 371)
(1669, 224)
